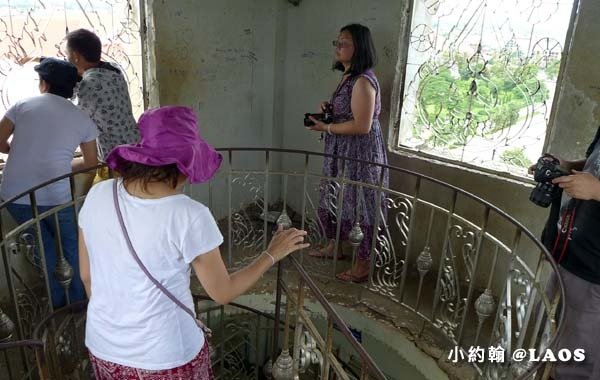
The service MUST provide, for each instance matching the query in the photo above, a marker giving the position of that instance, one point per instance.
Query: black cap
(58, 72)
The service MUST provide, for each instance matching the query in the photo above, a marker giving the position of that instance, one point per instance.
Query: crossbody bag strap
(143, 267)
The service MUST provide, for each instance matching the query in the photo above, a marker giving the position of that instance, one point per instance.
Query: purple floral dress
(369, 147)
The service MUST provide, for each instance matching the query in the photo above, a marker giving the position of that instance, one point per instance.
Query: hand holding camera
(325, 117)
(580, 185)
(554, 175)
(545, 171)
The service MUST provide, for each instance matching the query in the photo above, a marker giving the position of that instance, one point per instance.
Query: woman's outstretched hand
(285, 242)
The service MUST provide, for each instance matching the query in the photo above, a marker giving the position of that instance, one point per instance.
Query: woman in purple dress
(355, 133)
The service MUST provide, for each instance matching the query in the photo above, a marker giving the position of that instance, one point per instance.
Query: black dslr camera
(326, 117)
(546, 169)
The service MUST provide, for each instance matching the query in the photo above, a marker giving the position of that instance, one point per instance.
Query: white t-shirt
(48, 129)
(129, 320)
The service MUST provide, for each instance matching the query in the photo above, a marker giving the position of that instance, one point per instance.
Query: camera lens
(543, 194)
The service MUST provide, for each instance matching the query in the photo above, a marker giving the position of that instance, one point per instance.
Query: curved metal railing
(25, 277)
(467, 272)
(472, 275)
(239, 331)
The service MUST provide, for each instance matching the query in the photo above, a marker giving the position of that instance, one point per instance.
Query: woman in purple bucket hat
(138, 235)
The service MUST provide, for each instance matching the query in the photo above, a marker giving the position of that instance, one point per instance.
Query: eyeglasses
(341, 44)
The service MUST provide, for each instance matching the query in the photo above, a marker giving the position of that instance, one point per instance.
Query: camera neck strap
(564, 233)
(152, 279)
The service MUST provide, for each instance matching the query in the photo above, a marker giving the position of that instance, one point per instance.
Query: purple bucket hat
(169, 135)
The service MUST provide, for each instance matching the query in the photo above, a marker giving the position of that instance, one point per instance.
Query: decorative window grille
(480, 79)
(33, 28)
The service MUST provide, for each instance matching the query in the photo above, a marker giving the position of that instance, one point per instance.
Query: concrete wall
(221, 59)
(577, 112)
(218, 57)
(253, 68)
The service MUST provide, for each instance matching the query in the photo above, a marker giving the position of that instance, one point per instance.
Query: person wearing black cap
(102, 93)
(46, 129)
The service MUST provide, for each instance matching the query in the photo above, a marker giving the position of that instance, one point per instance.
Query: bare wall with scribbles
(222, 59)
(252, 69)
(218, 58)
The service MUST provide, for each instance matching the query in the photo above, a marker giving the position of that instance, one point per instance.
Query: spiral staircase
(449, 271)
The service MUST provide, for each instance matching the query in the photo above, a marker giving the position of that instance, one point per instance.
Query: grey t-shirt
(48, 129)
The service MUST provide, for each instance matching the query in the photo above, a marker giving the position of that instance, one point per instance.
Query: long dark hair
(365, 56)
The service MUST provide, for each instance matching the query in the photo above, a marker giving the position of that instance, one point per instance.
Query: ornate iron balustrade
(309, 345)
(26, 278)
(461, 266)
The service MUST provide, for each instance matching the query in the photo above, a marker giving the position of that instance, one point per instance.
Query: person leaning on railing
(46, 129)
(573, 240)
(355, 133)
(138, 237)
(103, 93)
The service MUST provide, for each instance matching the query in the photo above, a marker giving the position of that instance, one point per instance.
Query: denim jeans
(68, 239)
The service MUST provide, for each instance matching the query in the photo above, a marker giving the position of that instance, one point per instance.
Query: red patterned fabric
(198, 368)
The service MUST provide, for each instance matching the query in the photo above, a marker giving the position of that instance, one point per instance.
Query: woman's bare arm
(224, 287)
(84, 265)
(363, 107)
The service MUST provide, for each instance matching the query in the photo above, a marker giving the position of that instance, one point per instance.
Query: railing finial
(356, 235)
(63, 272)
(268, 369)
(7, 327)
(283, 369)
(424, 261)
(284, 220)
(485, 305)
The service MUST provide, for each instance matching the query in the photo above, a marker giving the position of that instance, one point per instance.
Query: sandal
(349, 277)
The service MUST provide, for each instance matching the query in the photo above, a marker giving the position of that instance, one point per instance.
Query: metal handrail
(337, 319)
(296, 151)
(71, 175)
(45, 355)
(472, 196)
(521, 231)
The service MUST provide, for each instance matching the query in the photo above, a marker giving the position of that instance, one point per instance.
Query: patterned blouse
(104, 95)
